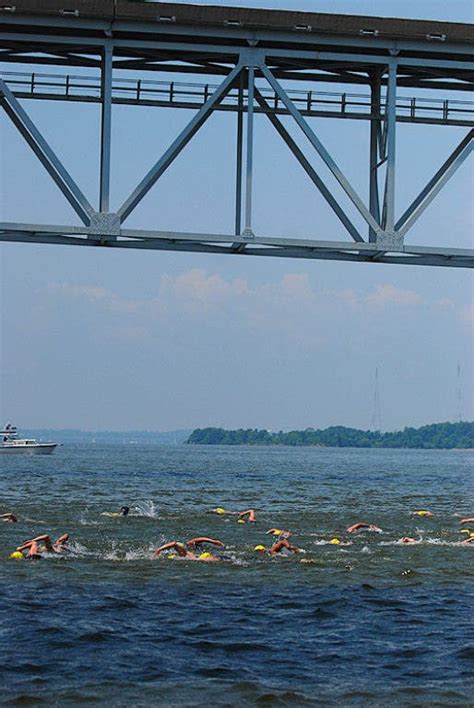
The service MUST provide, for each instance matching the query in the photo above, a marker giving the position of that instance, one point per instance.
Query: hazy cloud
(195, 292)
(94, 294)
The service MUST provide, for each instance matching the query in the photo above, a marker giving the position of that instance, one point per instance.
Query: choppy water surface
(373, 622)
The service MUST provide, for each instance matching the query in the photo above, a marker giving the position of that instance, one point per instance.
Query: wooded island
(436, 436)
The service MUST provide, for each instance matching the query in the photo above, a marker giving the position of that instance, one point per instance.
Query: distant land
(436, 436)
(143, 437)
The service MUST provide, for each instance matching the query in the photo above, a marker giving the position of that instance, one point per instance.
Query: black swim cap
(124, 510)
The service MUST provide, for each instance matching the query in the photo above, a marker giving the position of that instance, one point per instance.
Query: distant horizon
(150, 431)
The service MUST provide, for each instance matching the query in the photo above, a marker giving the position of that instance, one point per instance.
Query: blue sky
(117, 340)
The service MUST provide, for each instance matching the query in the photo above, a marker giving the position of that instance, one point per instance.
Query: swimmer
(423, 512)
(123, 512)
(57, 547)
(467, 521)
(408, 539)
(280, 545)
(194, 542)
(469, 540)
(182, 552)
(33, 551)
(277, 547)
(362, 525)
(8, 518)
(250, 513)
(282, 533)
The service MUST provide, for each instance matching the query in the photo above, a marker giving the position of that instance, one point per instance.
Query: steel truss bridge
(256, 62)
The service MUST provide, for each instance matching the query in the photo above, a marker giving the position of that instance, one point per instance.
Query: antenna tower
(376, 412)
(459, 395)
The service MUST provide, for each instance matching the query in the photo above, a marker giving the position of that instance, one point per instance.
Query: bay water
(369, 621)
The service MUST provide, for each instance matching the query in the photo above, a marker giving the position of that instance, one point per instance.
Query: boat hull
(40, 449)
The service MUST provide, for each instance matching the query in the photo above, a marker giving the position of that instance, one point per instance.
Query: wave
(145, 508)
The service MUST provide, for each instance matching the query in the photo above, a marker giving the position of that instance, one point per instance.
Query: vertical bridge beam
(238, 168)
(388, 216)
(248, 233)
(374, 204)
(106, 128)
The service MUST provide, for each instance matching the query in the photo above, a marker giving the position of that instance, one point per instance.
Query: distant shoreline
(437, 436)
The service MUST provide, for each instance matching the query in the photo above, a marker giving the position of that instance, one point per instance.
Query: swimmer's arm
(467, 521)
(277, 547)
(45, 538)
(62, 540)
(60, 544)
(172, 544)
(204, 539)
(356, 527)
(281, 532)
(8, 517)
(250, 513)
(164, 547)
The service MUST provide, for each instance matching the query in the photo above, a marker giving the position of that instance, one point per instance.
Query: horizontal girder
(226, 244)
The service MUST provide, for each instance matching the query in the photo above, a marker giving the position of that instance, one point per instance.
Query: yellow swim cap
(204, 556)
(471, 534)
(171, 556)
(219, 510)
(241, 521)
(335, 541)
(422, 512)
(277, 532)
(259, 548)
(16, 554)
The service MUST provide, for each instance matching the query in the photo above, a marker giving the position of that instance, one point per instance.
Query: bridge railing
(179, 94)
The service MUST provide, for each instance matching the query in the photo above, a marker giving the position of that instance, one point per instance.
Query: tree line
(435, 436)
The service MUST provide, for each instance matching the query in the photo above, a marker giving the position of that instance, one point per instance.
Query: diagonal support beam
(177, 146)
(308, 168)
(45, 154)
(321, 150)
(445, 172)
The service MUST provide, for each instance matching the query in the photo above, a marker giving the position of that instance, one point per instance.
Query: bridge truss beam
(251, 64)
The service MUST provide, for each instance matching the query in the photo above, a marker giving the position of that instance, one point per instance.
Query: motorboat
(11, 444)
